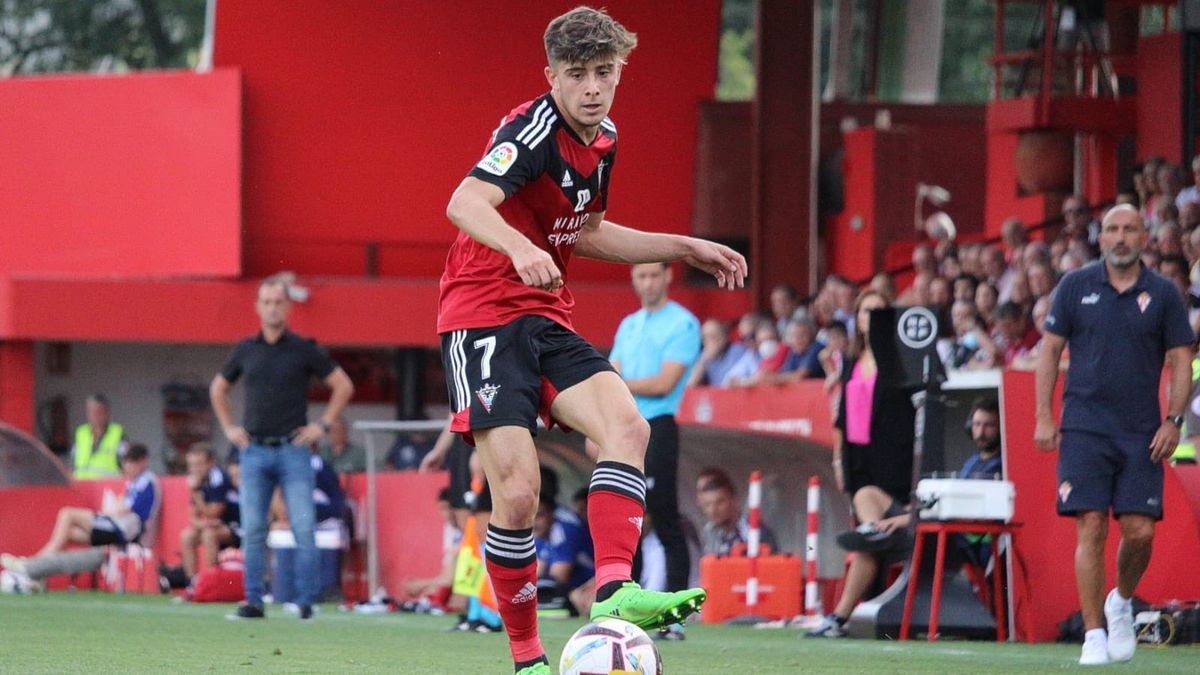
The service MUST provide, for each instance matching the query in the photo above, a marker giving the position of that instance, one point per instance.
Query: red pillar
(783, 242)
(16, 384)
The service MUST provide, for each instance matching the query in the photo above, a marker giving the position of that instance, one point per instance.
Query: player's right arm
(1045, 434)
(472, 209)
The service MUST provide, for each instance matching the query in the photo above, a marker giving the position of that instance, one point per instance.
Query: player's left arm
(1179, 359)
(605, 240)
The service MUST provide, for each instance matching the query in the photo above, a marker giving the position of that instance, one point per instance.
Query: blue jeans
(289, 467)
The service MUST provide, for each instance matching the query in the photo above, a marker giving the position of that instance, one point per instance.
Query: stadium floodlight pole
(370, 429)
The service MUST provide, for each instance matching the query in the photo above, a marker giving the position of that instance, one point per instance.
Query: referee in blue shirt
(1120, 320)
(654, 351)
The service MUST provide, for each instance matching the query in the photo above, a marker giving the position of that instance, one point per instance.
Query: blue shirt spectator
(645, 340)
(143, 497)
(567, 541)
(328, 496)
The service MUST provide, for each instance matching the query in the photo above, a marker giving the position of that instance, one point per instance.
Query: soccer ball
(610, 646)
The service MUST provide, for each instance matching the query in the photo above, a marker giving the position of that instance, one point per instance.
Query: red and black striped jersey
(552, 181)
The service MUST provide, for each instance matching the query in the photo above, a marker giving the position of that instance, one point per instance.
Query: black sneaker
(306, 612)
(463, 625)
(482, 627)
(867, 538)
(246, 612)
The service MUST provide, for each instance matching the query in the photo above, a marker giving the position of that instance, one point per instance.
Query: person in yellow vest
(99, 443)
(1185, 452)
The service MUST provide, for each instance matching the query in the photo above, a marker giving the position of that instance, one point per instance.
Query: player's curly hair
(585, 34)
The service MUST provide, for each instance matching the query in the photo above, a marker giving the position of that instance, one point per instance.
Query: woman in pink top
(872, 461)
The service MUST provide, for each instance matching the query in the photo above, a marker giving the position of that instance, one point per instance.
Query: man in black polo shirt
(1120, 320)
(275, 437)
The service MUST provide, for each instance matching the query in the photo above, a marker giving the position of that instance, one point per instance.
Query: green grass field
(103, 633)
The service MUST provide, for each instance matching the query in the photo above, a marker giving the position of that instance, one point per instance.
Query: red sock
(512, 567)
(616, 504)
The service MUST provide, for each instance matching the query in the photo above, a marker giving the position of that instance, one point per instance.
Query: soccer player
(538, 196)
(1121, 321)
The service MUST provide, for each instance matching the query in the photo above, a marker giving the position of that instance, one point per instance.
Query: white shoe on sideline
(1095, 648)
(12, 563)
(1122, 641)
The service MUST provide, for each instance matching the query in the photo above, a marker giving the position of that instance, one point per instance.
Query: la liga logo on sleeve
(498, 161)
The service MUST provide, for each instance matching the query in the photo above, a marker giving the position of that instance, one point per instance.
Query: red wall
(133, 175)
(338, 311)
(1045, 590)
(407, 513)
(362, 117)
(1159, 71)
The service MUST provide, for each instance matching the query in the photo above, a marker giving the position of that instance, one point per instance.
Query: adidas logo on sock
(527, 593)
(637, 521)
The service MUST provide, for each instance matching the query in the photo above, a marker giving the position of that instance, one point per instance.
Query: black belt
(271, 441)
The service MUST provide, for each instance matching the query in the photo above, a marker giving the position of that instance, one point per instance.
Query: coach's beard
(1122, 261)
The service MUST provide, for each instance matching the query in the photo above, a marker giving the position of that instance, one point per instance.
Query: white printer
(965, 499)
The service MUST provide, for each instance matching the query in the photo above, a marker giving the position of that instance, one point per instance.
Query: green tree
(735, 61)
(48, 36)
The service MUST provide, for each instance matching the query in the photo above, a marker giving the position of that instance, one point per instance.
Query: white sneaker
(12, 563)
(1095, 648)
(1122, 641)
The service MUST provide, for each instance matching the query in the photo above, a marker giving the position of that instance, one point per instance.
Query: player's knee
(1139, 533)
(209, 537)
(632, 434)
(519, 502)
(1092, 528)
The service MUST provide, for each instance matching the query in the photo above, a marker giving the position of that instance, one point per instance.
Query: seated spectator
(1028, 361)
(833, 356)
(210, 494)
(132, 521)
(971, 347)
(951, 268)
(883, 284)
(408, 451)
(340, 453)
(986, 299)
(964, 288)
(718, 355)
(435, 591)
(784, 301)
(882, 539)
(1041, 280)
(724, 523)
(747, 365)
(329, 500)
(1175, 269)
(769, 352)
(1017, 334)
(1191, 194)
(803, 350)
(564, 548)
(940, 295)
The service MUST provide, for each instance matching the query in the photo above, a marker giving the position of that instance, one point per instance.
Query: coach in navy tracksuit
(1120, 320)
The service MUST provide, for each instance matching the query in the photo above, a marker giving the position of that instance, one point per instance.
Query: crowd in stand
(992, 298)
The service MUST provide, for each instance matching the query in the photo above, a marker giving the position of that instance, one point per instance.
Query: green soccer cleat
(649, 609)
(535, 669)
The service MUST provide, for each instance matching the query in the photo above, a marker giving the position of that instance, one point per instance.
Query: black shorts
(509, 375)
(106, 531)
(1098, 472)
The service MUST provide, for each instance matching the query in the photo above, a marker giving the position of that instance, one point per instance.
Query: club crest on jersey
(567, 182)
(499, 159)
(487, 395)
(1143, 300)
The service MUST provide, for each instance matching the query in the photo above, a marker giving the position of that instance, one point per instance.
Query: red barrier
(1044, 590)
(410, 528)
